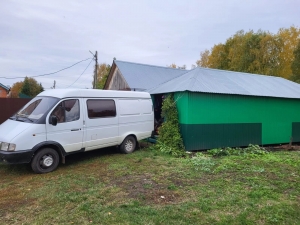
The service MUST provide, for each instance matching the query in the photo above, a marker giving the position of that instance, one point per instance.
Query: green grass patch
(149, 187)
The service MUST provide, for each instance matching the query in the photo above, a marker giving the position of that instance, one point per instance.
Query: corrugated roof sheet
(142, 76)
(228, 82)
(3, 86)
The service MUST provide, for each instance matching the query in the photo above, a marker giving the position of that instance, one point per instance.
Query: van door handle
(75, 129)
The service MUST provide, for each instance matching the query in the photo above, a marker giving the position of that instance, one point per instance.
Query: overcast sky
(41, 36)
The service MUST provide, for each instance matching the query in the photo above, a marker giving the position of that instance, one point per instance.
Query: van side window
(99, 108)
(67, 111)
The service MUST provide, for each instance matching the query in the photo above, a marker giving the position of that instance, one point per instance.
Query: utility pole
(96, 69)
(54, 83)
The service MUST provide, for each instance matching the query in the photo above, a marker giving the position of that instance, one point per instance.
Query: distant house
(139, 77)
(4, 91)
(219, 108)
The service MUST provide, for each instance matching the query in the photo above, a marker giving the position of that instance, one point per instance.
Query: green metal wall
(217, 120)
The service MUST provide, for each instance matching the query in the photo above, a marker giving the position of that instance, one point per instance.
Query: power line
(49, 73)
(81, 74)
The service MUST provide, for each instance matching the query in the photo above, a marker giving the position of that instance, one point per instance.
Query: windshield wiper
(23, 119)
(29, 119)
(17, 119)
(23, 116)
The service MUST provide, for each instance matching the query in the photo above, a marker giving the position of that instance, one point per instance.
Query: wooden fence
(9, 106)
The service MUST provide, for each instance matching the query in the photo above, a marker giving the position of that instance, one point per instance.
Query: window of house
(99, 108)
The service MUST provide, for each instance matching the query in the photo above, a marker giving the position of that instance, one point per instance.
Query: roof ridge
(173, 78)
(245, 73)
(143, 64)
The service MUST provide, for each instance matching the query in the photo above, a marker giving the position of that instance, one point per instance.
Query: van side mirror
(53, 120)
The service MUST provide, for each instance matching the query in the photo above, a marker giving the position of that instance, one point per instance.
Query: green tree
(218, 57)
(244, 51)
(26, 87)
(170, 140)
(102, 74)
(31, 87)
(270, 48)
(296, 64)
(41, 88)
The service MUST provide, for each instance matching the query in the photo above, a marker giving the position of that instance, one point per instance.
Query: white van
(60, 122)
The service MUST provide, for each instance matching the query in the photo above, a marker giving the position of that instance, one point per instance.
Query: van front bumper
(16, 157)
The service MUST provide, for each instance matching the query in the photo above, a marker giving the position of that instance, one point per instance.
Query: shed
(228, 109)
(219, 108)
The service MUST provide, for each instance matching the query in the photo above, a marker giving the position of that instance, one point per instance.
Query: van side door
(101, 123)
(69, 128)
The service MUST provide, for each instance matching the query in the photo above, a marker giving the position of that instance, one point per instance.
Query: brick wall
(3, 92)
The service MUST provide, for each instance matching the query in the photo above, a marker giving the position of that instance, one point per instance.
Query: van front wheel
(128, 145)
(45, 161)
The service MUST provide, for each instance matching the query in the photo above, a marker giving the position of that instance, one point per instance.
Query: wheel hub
(128, 145)
(47, 161)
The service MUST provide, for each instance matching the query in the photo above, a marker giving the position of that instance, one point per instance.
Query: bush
(169, 139)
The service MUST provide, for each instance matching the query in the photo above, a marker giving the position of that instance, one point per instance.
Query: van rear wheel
(128, 145)
(45, 161)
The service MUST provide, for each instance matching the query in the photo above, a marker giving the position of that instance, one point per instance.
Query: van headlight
(7, 146)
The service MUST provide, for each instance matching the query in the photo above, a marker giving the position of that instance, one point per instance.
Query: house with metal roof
(4, 91)
(136, 76)
(218, 108)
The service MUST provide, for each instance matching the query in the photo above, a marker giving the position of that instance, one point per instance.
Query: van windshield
(35, 109)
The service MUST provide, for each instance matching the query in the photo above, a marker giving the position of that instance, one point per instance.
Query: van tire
(128, 145)
(45, 161)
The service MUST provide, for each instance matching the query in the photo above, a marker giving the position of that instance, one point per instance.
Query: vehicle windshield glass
(35, 109)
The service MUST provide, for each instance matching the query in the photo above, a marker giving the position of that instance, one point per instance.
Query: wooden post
(96, 69)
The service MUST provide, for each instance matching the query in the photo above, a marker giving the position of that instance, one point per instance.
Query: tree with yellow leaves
(102, 74)
(255, 52)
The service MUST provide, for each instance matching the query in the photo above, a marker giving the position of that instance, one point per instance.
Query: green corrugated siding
(275, 115)
(207, 136)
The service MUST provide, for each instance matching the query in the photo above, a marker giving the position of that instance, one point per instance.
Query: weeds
(251, 150)
(202, 162)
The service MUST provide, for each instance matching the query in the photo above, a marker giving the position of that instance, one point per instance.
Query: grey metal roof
(142, 76)
(228, 82)
(3, 86)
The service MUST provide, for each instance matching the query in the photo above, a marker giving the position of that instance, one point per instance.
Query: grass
(148, 187)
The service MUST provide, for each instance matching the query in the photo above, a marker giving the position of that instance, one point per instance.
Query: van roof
(93, 93)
